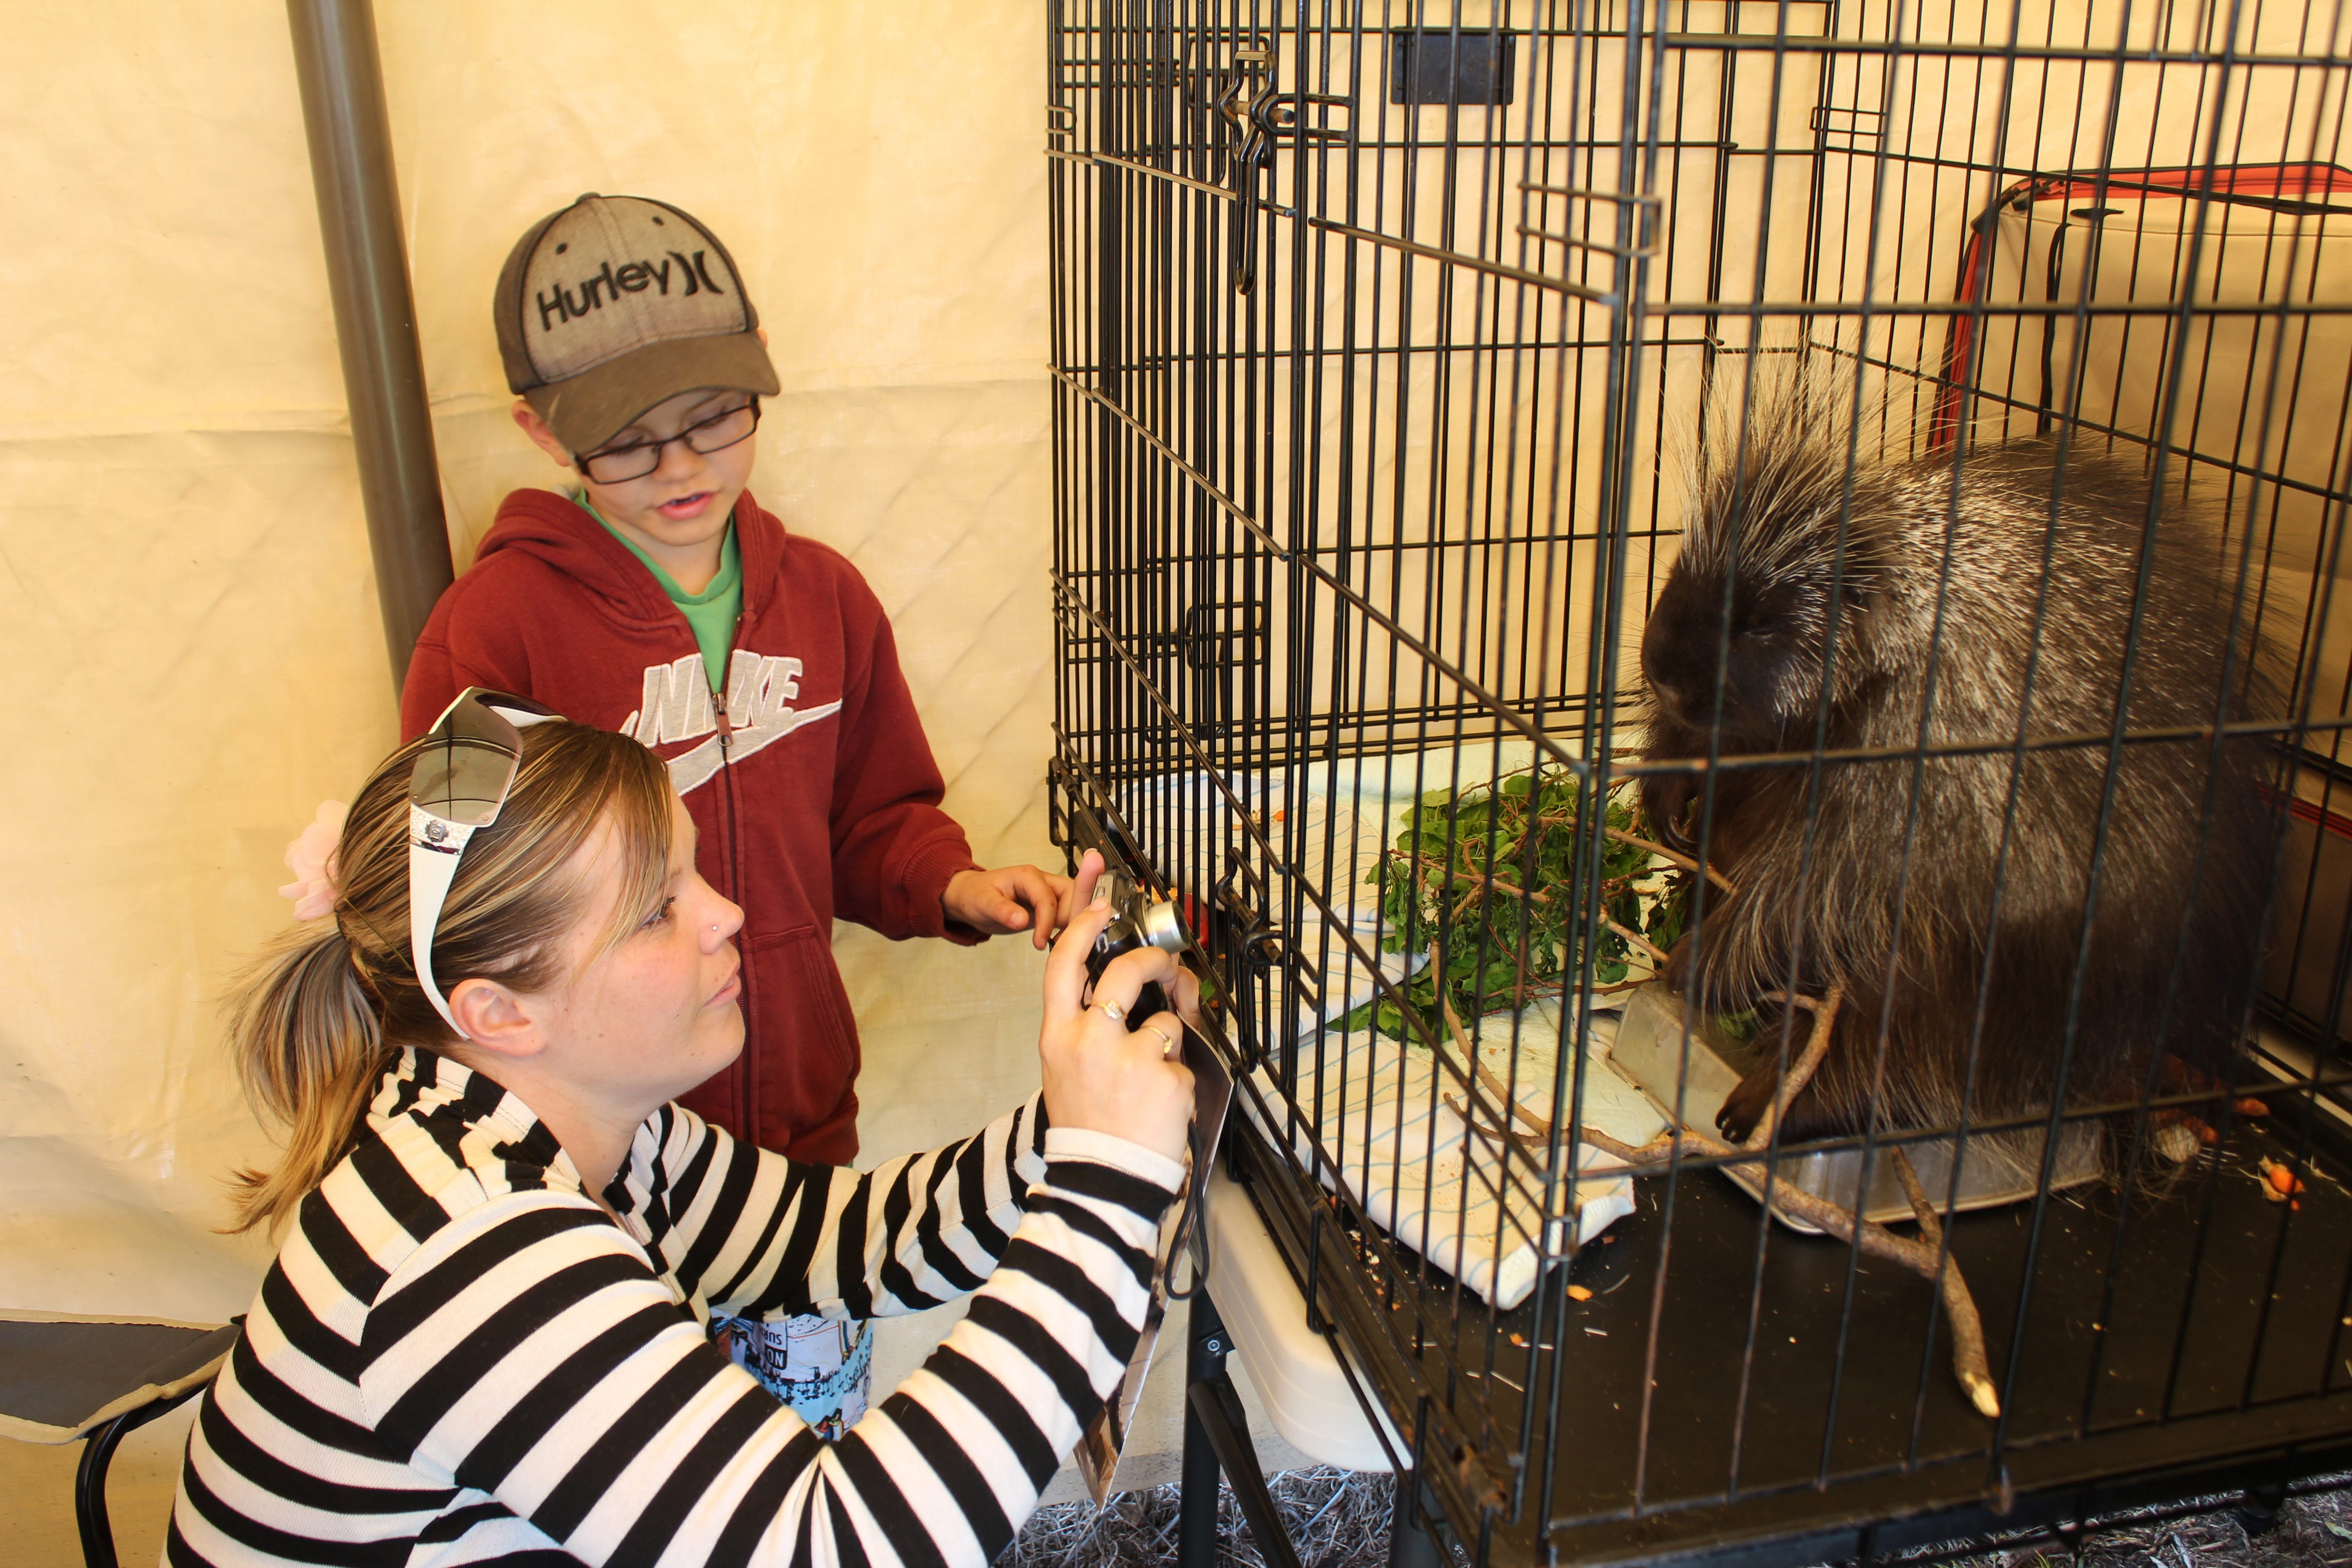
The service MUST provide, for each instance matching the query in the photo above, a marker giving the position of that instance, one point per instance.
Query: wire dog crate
(1383, 338)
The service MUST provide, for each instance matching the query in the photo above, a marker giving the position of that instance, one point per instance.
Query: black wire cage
(1412, 364)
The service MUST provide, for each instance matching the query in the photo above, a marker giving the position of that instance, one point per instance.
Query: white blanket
(1377, 1107)
(1388, 1136)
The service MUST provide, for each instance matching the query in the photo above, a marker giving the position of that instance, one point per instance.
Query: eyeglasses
(461, 779)
(636, 459)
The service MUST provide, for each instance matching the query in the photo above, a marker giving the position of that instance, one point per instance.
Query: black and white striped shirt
(459, 1357)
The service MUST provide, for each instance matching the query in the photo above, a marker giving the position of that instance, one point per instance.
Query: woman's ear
(495, 1020)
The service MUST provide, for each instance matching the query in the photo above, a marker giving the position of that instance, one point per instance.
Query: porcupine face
(1783, 551)
(1767, 651)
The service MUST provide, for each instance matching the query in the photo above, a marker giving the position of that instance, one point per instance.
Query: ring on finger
(1167, 1045)
(1113, 1011)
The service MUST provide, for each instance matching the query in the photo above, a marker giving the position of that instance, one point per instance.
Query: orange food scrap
(1579, 1293)
(2280, 1184)
(2251, 1108)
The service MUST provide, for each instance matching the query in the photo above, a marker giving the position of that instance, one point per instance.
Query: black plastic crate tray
(1799, 1405)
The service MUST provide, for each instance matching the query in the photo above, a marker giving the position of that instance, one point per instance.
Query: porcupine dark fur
(1839, 881)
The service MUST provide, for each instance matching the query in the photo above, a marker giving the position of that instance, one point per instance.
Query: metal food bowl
(1996, 1168)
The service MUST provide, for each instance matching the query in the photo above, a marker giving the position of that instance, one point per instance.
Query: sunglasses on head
(467, 765)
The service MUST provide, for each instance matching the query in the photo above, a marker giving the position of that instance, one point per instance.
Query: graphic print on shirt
(677, 706)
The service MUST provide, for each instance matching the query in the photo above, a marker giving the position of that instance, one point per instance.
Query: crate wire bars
(1379, 333)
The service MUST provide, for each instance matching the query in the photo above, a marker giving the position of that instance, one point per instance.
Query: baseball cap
(615, 303)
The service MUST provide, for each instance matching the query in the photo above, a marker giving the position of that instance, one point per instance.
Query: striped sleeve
(758, 1234)
(527, 1351)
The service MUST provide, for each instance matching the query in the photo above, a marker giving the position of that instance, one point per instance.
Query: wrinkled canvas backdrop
(187, 612)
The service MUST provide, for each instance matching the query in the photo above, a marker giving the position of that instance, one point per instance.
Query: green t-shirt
(711, 613)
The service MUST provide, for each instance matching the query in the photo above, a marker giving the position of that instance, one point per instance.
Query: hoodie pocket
(802, 1052)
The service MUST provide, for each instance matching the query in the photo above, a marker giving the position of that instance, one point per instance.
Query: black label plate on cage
(1440, 66)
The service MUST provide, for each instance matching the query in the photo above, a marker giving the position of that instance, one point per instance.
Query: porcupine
(1841, 880)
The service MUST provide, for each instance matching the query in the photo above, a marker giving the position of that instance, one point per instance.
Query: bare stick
(1445, 1006)
(1492, 1085)
(1820, 1213)
(1639, 1158)
(1671, 857)
(1524, 1140)
(1793, 1081)
(1478, 879)
(1657, 954)
(1927, 1256)
(1968, 1330)
(1560, 984)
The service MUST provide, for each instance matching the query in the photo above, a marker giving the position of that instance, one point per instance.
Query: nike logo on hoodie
(676, 705)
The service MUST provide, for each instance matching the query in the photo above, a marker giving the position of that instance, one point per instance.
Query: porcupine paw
(1745, 1106)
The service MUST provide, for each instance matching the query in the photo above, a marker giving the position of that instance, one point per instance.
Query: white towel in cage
(1376, 1109)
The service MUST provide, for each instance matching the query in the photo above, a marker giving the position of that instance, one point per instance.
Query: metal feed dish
(1649, 1052)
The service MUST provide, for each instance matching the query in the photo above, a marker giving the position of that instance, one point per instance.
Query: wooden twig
(1478, 879)
(1479, 882)
(1671, 857)
(1524, 1140)
(1967, 1329)
(1445, 1006)
(1560, 983)
(1927, 1256)
(1486, 1079)
(1816, 1045)
(1657, 954)
(1818, 1212)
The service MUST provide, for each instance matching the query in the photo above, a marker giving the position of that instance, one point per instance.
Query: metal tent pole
(375, 312)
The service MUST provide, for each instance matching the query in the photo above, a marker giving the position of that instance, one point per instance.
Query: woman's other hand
(1099, 1075)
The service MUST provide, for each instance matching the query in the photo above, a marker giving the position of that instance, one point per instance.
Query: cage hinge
(1275, 119)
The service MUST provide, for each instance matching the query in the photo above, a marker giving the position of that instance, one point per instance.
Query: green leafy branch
(1481, 881)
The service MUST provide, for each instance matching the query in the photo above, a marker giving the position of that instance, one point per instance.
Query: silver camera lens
(1137, 921)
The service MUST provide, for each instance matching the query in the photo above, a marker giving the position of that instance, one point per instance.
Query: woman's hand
(1098, 1075)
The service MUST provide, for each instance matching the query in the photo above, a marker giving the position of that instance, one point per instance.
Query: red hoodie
(812, 786)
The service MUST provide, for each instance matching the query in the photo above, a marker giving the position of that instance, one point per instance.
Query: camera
(1137, 921)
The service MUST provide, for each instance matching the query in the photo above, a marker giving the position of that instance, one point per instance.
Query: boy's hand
(1011, 898)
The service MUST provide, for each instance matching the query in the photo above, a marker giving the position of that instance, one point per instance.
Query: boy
(657, 599)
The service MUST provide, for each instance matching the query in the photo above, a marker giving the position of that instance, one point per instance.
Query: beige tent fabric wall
(185, 604)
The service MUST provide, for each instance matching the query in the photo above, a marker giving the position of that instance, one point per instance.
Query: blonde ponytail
(320, 1015)
(310, 1047)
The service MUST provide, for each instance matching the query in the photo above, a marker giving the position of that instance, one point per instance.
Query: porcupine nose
(1670, 683)
(1670, 698)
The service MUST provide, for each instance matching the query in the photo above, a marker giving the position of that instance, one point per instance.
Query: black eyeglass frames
(636, 459)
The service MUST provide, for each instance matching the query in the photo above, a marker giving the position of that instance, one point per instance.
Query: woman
(485, 1334)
